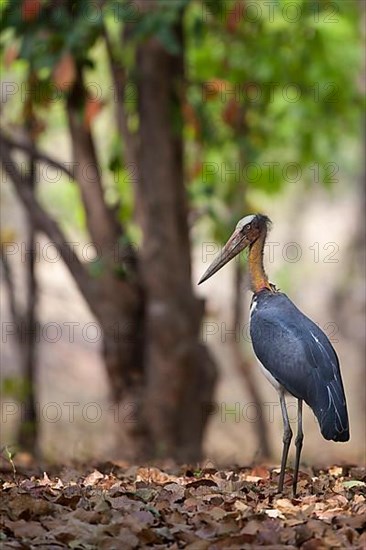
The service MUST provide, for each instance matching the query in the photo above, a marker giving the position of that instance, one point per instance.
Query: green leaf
(353, 483)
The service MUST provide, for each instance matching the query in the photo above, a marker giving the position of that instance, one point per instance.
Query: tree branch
(102, 223)
(8, 276)
(119, 81)
(13, 143)
(43, 222)
(130, 140)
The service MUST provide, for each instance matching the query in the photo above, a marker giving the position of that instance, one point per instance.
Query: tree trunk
(28, 430)
(180, 371)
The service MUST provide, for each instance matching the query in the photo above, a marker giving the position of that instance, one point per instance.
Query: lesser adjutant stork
(293, 352)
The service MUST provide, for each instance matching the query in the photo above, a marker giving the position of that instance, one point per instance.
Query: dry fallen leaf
(336, 471)
(273, 513)
(93, 478)
(285, 506)
(242, 507)
(22, 528)
(129, 507)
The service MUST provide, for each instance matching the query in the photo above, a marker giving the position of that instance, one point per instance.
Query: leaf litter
(116, 505)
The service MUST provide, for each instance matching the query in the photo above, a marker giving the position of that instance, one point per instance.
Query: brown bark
(9, 281)
(29, 427)
(180, 372)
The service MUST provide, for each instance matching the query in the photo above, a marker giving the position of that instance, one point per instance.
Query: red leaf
(92, 109)
(231, 113)
(31, 9)
(191, 118)
(234, 16)
(196, 170)
(64, 73)
(10, 55)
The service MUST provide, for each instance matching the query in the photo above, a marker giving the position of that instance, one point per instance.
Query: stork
(293, 352)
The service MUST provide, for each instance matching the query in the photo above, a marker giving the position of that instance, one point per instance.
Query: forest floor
(119, 506)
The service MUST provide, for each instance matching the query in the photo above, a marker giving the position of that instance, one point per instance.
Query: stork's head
(247, 231)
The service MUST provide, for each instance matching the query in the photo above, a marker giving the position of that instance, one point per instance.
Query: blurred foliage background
(136, 126)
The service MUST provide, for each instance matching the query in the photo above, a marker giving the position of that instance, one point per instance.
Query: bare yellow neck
(258, 277)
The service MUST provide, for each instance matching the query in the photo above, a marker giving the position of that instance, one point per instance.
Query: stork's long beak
(234, 245)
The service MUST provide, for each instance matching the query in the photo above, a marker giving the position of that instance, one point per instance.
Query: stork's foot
(284, 483)
(280, 487)
(281, 482)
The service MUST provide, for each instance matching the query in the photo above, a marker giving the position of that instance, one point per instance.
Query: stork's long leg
(298, 442)
(287, 436)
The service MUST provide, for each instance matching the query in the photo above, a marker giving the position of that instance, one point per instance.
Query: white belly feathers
(266, 373)
(270, 378)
